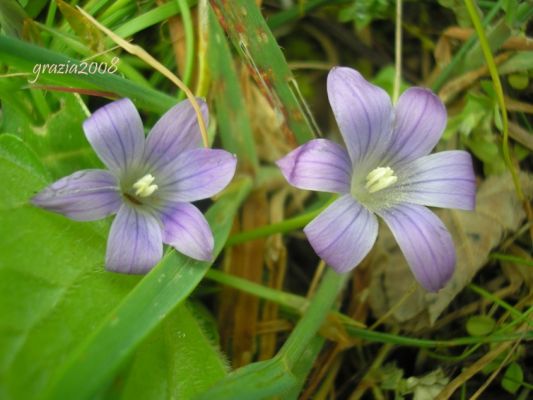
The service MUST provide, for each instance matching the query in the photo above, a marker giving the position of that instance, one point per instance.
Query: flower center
(380, 178)
(144, 187)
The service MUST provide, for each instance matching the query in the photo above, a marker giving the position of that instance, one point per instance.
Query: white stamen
(144, 186)
(380, 178)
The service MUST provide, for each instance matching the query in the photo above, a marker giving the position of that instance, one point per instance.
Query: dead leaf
(498, 212)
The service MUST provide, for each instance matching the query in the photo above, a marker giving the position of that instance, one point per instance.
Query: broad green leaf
(98, 356)
(60, 141)
(177, 361)
(52, 283)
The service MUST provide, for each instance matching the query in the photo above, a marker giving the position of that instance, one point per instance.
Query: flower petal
(343, 234)
(116, 134)
(186, 229)
(363, 112)
(176, 131)
(420, 119)
(444, 179)
(135, 243)
(197, 174)
(425, 242)
(85, 195)
(319, 164)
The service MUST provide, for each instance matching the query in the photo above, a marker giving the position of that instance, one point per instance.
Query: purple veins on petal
(86, 195)
(186, 229)
(197, 174)
(135, 242)
(363, 112)
(444, 179)
(425, 242)
(343, 234)
(319, 164)
(420, 119)
(176, 131)
(116, 134)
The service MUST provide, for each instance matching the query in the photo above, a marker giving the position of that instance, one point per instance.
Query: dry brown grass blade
(238, 312)
(457, 85)
(473, 369)
(520, 43)
(276, 268)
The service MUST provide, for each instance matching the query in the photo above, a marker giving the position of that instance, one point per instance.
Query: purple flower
(149, 184)
(386, 170)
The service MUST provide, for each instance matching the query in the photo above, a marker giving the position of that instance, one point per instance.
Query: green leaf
(52, 283)
(480, 325)
(60, 141)
(99, 355)
(24, 57)
(177, 361)
(513, 378)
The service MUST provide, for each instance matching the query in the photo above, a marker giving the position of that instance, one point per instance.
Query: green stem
(489, 59)
(287, 225)
(511, 258)
(189, 44)
(306, 329)
(398, 52)
(277, 296)
(495, 299)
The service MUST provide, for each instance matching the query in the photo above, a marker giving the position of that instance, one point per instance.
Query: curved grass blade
(23, 56)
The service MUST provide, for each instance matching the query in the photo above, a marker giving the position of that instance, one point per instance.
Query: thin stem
(189, 43)
(487, 53)
(288, 225)
(398, 50)
(308, 326)
(511, 258)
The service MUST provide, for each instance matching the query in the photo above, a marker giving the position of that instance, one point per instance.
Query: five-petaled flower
(386, 170)
(149, 184)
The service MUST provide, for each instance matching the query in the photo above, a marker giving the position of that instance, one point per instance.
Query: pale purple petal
(176, 131)
(135, 242)
(420, 119)
(425, 242)
(343, 234)
(444, 179)
(85, 195)
(186, 229)
(363, 112)
(197, 174)
(116, 134)
(319, 164)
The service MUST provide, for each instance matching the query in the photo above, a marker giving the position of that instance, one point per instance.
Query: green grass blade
(251, 35)
(24, 57)
(235, 127)
(166, 286)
